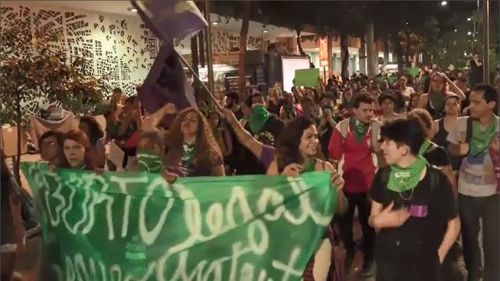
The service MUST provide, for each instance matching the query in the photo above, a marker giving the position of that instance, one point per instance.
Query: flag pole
(181, 58)
(209, 47)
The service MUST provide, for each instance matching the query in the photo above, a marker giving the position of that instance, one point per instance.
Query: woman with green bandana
(434, 100)
(297, 153)
(412, 203)
(192, 149)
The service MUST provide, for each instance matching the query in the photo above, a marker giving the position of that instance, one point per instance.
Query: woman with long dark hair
(95, 134)
(297, 152)
(192, 149)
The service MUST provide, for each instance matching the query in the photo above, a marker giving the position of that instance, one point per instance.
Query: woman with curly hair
(434, 100)
(95, 134)
(192, 149)
(77, 151)
(298, 152)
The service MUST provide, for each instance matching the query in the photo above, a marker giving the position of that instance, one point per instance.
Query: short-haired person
(477, 138)
(51, 147)
(353, 142)
(413, 208)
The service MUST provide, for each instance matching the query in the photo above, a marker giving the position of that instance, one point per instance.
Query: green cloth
(188, 155)
(424, 147)
(359, 129)
(307, 77)
(102, 226)
(310, 165)
(258, 118)
(481, 139)
(413, 71)
(149, 162)
(437, 101)
(404, 179)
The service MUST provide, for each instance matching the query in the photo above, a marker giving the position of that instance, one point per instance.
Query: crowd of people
(420, 168)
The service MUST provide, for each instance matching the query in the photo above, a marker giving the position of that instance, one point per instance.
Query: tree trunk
(17, 160)
(362, 56)
(371, 52)
(386, 51)
(344, 55)
(398, 52)
(243, 48)
(201, 50)
(299, 44)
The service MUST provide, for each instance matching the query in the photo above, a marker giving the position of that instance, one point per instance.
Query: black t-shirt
(411, 249)
(437, 156)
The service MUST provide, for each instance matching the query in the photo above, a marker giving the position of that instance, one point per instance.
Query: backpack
(343, 127)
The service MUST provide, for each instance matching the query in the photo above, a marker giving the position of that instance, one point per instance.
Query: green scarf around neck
(309, 165)
(359, 129)
(188, 155)
(404, 179)
(481, 139)
(424, 147)
(149, 162)
(258, 118)
(437, 101)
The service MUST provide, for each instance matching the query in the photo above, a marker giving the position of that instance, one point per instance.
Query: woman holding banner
(77, 151)
(192, 149)
(298, 152)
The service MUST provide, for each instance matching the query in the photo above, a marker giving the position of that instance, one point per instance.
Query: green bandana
(149, 162)
(310, 165)
(437, 100)
(289, 111)
(359, 129)
(258, 118)
(425, 146)
(188, 154)
(404, 179)
(481, 140)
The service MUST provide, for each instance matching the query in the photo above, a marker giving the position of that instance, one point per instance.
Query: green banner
(307, 77)
(135, 226)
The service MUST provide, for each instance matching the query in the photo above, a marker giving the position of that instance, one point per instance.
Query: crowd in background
(347, 128)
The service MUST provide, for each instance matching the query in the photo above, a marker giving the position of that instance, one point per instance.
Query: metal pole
(486, 41)
(209, 48)
(186, 64)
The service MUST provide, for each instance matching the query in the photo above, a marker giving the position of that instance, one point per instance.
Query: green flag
(135, 226)
(307, 77)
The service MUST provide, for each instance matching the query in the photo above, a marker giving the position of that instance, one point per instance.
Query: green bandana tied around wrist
(188, 154)
(149, 162)
(481, 140)
(424, 147)
(437, 100)
(359, 129)
(404, 179)
(258, 118)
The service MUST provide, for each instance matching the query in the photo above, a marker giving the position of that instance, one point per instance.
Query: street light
(469, 19)
(469, 33)
(444, 3)
(456, 30)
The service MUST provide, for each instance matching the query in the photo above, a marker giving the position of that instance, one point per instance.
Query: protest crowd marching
(416, 171)
(392, 177)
